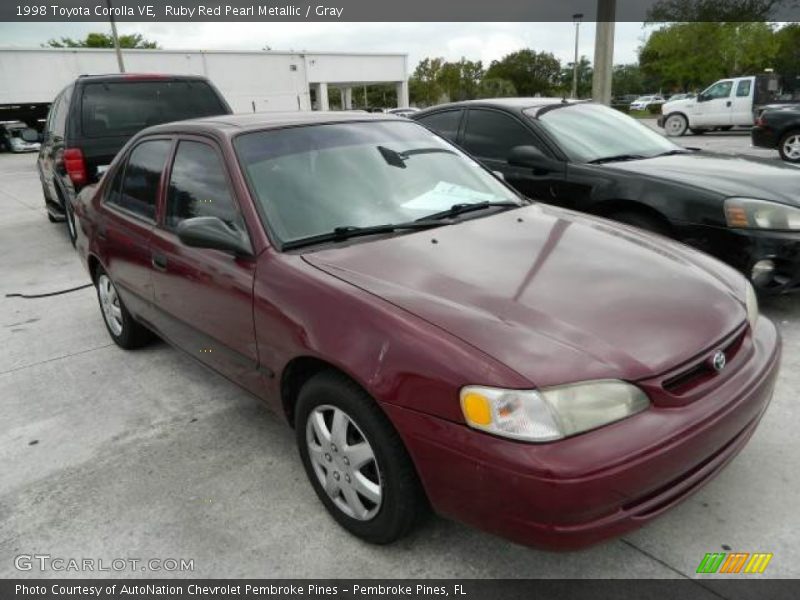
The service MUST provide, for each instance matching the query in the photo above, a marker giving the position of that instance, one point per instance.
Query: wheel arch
(608, 208)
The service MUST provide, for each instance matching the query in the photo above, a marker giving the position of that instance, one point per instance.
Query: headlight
(751, 303)
(551, 413)
(747, 213)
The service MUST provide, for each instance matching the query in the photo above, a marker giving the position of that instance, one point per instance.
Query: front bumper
(582, 490)
(743, 248)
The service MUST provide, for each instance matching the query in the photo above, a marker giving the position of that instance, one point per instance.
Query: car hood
(727, 175)
(554, 295)
(674, 105)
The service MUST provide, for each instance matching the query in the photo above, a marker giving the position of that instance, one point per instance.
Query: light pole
(115, 37)
(576, 18)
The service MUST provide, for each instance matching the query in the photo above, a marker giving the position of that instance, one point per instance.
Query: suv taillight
(75, 166)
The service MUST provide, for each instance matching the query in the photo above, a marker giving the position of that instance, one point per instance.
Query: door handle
(159, 261)
(728, 103)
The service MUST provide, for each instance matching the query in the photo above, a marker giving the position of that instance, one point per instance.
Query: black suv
(91, 119)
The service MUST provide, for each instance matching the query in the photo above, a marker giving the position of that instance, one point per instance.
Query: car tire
(726, 128)
(789, 147)
(699, 131)
(122, 327)
(379, 500)
(675, 125)
(642, 221)
(69, 217)
(51, 218)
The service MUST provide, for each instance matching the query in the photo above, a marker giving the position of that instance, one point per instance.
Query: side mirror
(30, 135)
(212, 232)
(527, 156)
(702, 97)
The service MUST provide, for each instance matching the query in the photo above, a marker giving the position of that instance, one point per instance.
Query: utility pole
(115, 37)
(577, 19)
(604, 51)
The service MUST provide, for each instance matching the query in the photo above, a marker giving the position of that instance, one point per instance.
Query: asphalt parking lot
(110, 454)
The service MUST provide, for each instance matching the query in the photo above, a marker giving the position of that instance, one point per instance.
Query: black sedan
(591, 158)
(779, 127)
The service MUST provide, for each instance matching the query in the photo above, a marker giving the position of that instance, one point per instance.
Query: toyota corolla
(435, 339)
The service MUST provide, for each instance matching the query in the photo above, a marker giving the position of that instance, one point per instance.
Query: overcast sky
(475, 41)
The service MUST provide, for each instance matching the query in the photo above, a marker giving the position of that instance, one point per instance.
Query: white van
(725, 104)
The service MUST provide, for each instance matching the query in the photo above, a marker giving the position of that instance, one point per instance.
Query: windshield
(312, 180)
(591, 132)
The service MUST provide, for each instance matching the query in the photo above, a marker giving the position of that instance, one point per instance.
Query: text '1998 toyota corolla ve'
(434, 338)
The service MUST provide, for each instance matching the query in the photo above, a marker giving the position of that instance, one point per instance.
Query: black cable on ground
(29, 296)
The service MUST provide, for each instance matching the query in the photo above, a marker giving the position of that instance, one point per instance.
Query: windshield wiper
(346, 232)
(398, 159)
(673, 152)
(460, 209)
(616, 158)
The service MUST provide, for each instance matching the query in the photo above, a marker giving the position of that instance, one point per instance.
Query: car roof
(230, 125)
(130, 77)
(508, 104)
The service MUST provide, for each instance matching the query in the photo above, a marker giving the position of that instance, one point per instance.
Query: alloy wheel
(109, 303)
(791, 147)
(344, 462)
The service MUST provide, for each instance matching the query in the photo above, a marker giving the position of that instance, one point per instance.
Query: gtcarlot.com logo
(734, 562)
(46, 562)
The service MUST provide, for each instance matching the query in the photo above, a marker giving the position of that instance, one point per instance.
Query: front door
(203, 297)
(490, 135)
(716, 106)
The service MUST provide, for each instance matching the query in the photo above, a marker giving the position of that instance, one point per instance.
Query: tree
(787, 58)
(103, 40)
(714, 10)
(627, 80)
(423, 86)
(529, 71)
(584, 78)
(685, 56)
(494, 87)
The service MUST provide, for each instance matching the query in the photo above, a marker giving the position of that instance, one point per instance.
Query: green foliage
(494, 87)
(531, 72)
(103, 40)
(787, 58)
(714, 10)
(627, 80)
(584, 79)
(685, 56)
(435, 78)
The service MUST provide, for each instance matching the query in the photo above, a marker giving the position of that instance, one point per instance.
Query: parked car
(779, 127)
(16, 136)
(433, 337)
(591, 158)
(93, 117)
(726, 104)
(644, 102)
(403, 112)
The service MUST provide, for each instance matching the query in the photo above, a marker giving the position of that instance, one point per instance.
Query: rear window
(124, 108)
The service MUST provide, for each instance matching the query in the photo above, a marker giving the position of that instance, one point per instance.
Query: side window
(138, 192)
(444, 123)
(51, 115)
(719, 90)
(198, 187)
(743, 89)
(491, 134)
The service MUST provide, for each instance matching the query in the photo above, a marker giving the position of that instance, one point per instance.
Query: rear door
(204, 297)
(490, 135)
(129, 216)
(742, 109)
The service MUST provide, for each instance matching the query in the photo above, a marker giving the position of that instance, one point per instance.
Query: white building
(250, 81)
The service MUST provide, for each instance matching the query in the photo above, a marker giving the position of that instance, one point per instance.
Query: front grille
(702, 371)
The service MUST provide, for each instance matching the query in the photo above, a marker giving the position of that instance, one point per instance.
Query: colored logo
(734, 562)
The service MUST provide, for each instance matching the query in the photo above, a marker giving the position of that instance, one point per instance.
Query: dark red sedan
(433, 338)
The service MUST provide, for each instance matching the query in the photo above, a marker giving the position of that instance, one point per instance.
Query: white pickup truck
(726, 104)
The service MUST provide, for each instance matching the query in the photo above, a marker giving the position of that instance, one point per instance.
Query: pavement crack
(42, 362)
(673, 569)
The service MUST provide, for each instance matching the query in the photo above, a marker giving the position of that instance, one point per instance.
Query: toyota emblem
(719, 361)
